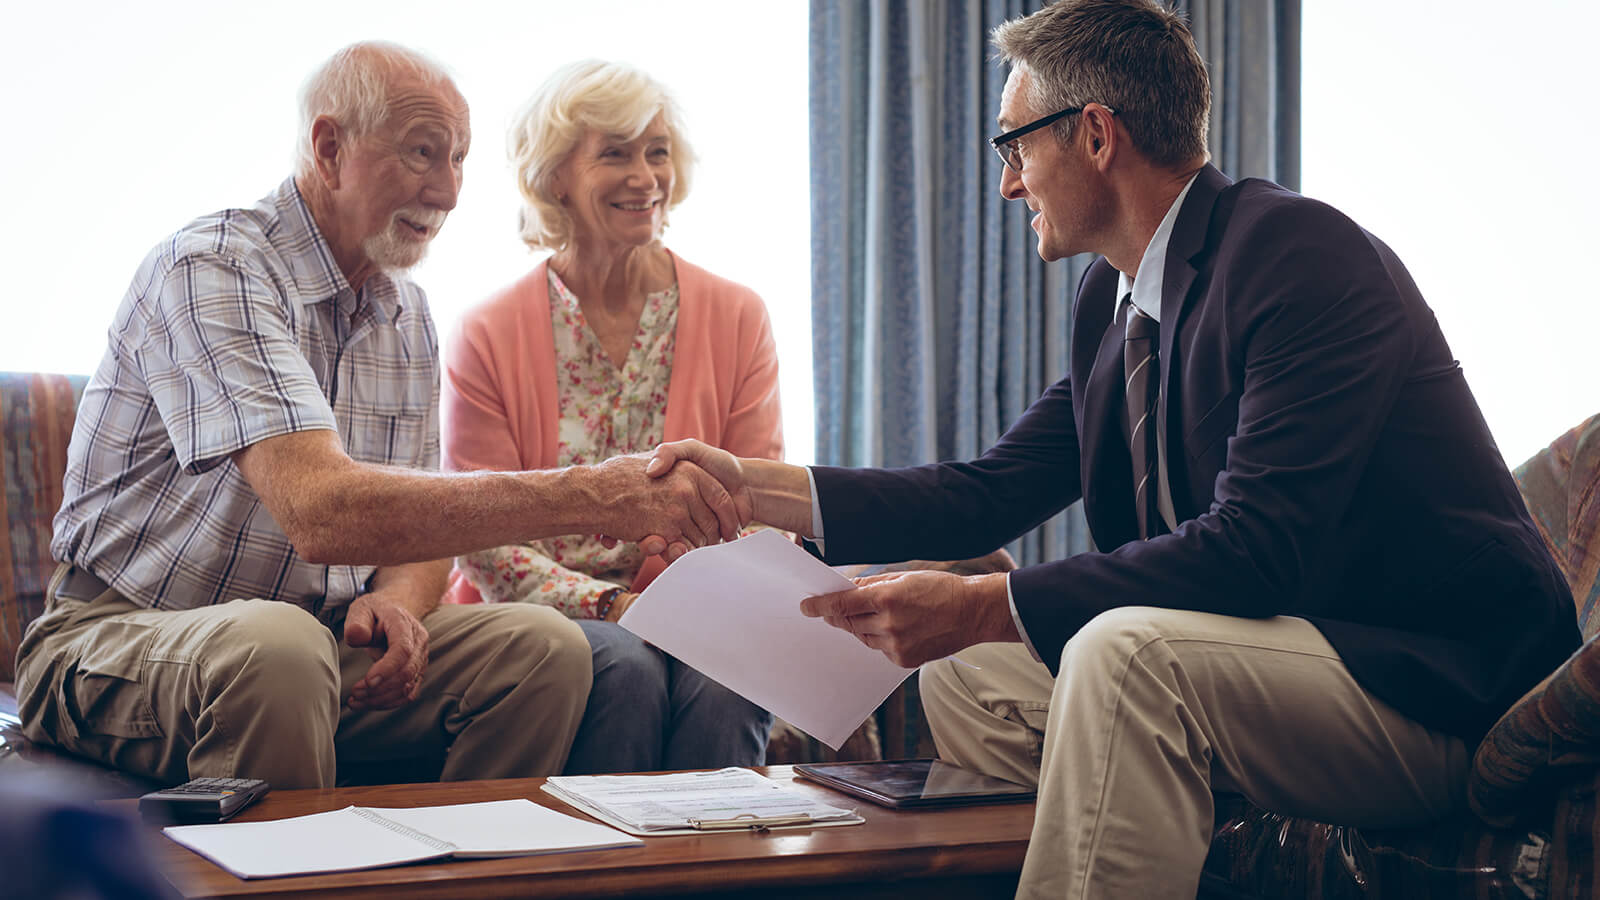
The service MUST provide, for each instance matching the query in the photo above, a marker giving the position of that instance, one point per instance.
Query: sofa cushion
(1555, 727)
(1561, 485)
(36, 414)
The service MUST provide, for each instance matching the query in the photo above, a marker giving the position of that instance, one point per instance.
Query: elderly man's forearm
(375, 515)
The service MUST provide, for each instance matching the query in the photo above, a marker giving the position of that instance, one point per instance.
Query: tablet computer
(903, 783)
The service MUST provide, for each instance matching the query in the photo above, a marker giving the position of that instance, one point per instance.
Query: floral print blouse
(606, 411)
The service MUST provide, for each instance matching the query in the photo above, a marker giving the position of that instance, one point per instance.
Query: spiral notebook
(358, 837)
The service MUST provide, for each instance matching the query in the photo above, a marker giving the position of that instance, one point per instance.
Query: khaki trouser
(1152, 711)
(256, 688)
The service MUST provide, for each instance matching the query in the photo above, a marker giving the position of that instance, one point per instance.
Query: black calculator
(201, 801)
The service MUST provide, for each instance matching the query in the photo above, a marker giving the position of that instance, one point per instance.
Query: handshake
(688, 494)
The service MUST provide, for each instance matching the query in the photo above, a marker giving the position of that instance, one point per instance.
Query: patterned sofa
(1534, 776)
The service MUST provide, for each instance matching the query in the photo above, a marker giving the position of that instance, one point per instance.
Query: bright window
(128, 120)
(1462, 134)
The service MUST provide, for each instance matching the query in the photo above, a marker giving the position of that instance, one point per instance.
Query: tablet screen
(915, 782)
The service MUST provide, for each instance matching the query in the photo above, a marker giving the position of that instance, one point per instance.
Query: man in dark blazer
(1317, 582)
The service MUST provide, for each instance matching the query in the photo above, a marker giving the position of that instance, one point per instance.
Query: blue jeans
(648, 712)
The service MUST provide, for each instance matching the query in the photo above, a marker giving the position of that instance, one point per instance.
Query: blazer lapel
(1187, 243)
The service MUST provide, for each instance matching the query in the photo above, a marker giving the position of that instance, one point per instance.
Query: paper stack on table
(732, 611)
(694, 802)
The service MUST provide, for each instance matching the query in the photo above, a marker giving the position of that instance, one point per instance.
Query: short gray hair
(1135, 56)
(605, 96)
(352, 88)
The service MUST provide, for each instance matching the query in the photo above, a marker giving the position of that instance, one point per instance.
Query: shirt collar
(1147, 281)
(317, 276)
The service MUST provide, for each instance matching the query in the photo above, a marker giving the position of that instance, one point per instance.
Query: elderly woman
(611, 345)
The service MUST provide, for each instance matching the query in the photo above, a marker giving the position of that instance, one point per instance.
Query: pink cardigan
(498, 398)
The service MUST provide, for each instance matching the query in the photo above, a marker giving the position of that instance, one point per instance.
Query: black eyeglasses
(1006, 144)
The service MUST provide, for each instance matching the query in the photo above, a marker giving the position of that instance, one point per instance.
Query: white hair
(604, 96)
(352, 88)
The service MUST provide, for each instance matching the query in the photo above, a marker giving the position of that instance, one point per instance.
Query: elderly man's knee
(546, 642)
(275, 642)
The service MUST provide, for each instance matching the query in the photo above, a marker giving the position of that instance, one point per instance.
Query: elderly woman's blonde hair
(608, 97)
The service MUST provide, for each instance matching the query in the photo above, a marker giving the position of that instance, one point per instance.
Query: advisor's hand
(394, 636)
(914, 617)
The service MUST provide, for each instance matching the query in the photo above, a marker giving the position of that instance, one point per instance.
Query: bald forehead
(412, 102)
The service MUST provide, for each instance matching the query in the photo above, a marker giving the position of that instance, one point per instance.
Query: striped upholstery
(36, 413)
(1553, 732)
(1562, 487)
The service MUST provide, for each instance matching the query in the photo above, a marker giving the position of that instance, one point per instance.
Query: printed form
(691, 802)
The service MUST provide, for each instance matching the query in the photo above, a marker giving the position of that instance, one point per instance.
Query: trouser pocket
(100, 685)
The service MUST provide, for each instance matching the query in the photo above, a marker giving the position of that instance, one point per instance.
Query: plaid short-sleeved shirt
(238, 328)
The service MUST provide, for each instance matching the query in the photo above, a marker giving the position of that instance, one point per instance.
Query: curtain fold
(934, 322)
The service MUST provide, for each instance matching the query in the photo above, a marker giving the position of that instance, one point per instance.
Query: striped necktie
(1142, 378)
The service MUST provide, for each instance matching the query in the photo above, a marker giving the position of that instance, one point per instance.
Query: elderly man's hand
(391, 632)
(668, 512)
(914, 617)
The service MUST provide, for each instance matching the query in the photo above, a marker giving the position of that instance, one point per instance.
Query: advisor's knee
(1108, 641)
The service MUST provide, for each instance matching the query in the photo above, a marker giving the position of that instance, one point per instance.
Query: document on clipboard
(731, 799)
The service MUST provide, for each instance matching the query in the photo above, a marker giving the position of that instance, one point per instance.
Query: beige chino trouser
(256, 688)
(1152, 711)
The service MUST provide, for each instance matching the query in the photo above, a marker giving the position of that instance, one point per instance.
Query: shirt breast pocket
(387, 419)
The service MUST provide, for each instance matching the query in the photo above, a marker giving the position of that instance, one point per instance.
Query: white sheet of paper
(733, 612)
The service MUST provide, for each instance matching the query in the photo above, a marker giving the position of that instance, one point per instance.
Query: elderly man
(1317, 583)
(254, 539)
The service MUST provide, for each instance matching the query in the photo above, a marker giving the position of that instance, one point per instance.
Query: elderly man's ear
(327, 142)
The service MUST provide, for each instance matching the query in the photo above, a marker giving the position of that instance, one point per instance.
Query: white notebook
(366, 838)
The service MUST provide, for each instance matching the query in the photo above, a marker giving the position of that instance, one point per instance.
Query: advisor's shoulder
(1267, 209)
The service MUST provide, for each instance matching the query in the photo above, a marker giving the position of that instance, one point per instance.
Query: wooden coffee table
(971, 851)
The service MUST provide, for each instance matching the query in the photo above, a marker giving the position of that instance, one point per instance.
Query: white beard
(393, 254)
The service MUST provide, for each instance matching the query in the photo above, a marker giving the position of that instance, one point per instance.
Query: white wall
(125, 120)
(1463, 134)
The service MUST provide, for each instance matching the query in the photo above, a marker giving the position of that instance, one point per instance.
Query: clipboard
(709, 824)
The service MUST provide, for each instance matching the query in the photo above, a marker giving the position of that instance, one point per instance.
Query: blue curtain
(1252, 50)
(934, 322)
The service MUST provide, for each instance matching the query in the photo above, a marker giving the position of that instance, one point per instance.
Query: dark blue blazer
(1325, 456)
